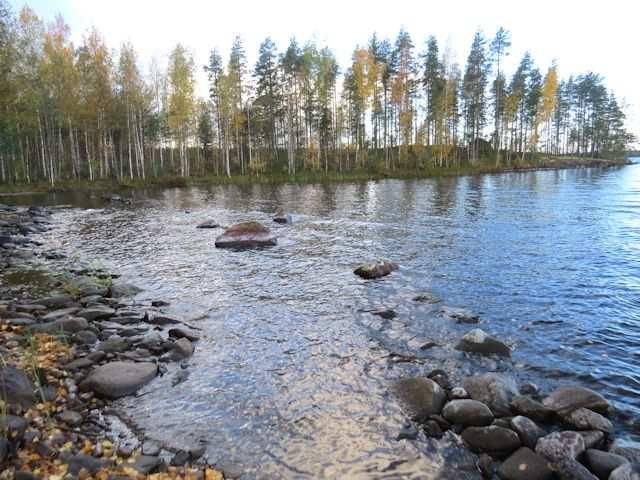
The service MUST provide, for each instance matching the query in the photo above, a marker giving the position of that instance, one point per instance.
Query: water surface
(293, 376)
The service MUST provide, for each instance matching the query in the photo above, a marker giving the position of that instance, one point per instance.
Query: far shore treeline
(87, 112)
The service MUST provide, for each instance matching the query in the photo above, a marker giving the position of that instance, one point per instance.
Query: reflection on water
(293, 374)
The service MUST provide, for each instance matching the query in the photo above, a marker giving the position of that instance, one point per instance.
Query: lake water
(292, 378)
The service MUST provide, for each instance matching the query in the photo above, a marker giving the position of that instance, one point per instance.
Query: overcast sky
(582, 35)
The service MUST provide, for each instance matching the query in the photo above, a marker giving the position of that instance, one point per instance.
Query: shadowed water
(293, 374)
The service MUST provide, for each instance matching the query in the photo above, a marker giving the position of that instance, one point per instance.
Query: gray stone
(603, 463)
(459, 315)
(571, 469)
(180, 458)
(79, 364)
(531, 408)
(528, 431)
(92, 314)
(182, 348)
(161, 319)
(478, 341)
(16, 387)
(422, 396)
(525, 464)
(560, 445)
(183, 333)
(592, 438)
(458, 393)
(467, 413)
(150, 447)
(4, 448)
(55, 301)
(585, 419)
(118, 379)
(61, 325)
(13, 427)
(209, 224)
(56, 314)
(628, 471)
(85, 337)
(496, 441)
(79, 462)
(568, 398)
(146, 464)
(119, 290)
(494, 390)
(114, 345)
(71, 418)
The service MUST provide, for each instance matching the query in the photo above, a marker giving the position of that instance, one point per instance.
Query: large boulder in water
(567, 398)
(246, 235)
(118, 379)
(375, 270)
(478, 341)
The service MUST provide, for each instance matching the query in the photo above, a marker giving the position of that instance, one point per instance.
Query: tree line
(88, 112)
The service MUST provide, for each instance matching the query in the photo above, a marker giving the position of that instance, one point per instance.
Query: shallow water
(292, 378)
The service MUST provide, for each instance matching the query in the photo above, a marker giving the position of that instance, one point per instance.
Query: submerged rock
(246, 235)
(375, 270)
(478, 341)
(119, 290)
(422, 396)
(568, 398)
(426, 298)
(459, 315)
(281, 216)
(209, 224)
(118, 379)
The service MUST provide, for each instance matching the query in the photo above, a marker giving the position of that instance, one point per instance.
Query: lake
(292, 378)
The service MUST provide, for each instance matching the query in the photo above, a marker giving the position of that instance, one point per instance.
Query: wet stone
(467, 413)
(566, 399)
(421, 396)
(479, 342)
(525, 464)
(496, 441)
(603, 463)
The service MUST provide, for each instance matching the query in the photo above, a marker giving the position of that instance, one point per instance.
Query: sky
(580, 35)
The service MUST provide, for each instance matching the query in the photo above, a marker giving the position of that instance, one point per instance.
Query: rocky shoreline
(67, 354)
(72, 344)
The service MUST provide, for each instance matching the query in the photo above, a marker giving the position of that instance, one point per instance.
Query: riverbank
(72, 342)
(309, 177)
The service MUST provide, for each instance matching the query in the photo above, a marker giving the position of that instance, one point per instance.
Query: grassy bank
(318, 176)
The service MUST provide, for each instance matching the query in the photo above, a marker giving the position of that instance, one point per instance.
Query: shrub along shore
(318, 176)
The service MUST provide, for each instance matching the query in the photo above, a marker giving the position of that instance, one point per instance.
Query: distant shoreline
(483, 167)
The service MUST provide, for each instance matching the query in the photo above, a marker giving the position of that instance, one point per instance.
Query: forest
(90, 112)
